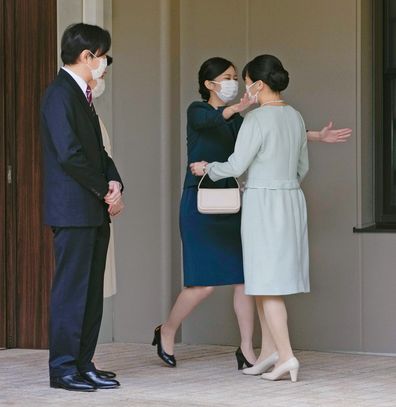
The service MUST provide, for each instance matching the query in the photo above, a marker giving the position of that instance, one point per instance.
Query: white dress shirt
(80, 81)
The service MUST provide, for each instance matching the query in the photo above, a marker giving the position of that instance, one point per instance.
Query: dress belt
(272, 184)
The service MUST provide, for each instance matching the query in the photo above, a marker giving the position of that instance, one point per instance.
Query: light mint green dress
(272, 146)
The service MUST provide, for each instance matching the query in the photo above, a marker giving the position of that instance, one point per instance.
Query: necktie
(88, 93)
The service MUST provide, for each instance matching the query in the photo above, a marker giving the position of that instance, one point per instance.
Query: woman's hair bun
(269, 69)
(278, 80)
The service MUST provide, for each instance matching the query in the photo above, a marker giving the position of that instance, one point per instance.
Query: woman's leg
(267, 343)
(185, 303)
(276, 317)
(244, 310)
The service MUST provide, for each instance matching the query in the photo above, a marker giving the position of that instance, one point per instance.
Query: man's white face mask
(99, 71)
(99, 88)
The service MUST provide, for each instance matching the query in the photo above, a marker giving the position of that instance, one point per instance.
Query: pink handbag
(218, 201)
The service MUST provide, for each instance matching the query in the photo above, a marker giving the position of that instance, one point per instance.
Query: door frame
(3, 166)
(10, 192)
(25, 245)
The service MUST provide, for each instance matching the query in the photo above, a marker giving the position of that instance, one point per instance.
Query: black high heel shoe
(168, 359)
(240, 357)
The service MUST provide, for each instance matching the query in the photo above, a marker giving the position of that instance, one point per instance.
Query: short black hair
(80, 36)
(109, 60)
(268, 69)
(211, 69)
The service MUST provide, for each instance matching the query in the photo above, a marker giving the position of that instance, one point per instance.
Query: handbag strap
(199, 185)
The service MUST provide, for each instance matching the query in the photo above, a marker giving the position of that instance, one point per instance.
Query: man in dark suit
(82, 188)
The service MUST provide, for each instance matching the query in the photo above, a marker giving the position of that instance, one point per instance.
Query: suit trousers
(76, 305)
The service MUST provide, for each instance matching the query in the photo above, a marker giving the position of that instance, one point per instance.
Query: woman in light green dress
(272, 146)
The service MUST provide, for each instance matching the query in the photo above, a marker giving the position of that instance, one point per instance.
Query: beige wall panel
(208, 29)
(69, 11)
(379, 284)
(316, 41)
(136, 107)
(365, 107)
(175, 130)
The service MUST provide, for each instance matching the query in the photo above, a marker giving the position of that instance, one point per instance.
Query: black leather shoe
(241, 360)
(98, 381)
(168, 359)
(72, 382)
(106, 374)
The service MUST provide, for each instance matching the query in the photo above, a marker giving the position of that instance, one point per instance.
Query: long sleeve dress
(272, 146)
(212, 248)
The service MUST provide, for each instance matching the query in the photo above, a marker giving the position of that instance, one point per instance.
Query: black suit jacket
(76, 166)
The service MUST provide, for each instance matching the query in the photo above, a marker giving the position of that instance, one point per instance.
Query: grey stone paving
(205, 376)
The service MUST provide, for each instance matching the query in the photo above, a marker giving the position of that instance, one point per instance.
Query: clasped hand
(197, 168)
(114, 198)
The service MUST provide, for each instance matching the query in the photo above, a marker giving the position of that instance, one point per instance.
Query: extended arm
(330, 135)
(201, 118)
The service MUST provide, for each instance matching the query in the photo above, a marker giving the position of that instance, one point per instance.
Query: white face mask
(228, 90)
(99, 88)
(253, 98)
(99, 71)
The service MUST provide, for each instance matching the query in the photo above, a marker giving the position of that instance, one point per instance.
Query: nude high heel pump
(263, 366)
(290, 366)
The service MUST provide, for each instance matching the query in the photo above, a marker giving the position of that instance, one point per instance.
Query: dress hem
(212, 285)
(273, 293)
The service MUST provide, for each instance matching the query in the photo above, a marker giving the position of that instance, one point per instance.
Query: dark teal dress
(212, 249)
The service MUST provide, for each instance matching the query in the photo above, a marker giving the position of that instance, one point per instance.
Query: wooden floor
(205, 376)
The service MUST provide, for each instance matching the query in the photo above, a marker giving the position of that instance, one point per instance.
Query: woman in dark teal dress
(211, 243)
(212, 249)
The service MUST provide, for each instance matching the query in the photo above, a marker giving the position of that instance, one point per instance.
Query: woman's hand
(198, 168)
(330, 135)
(244, 104)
